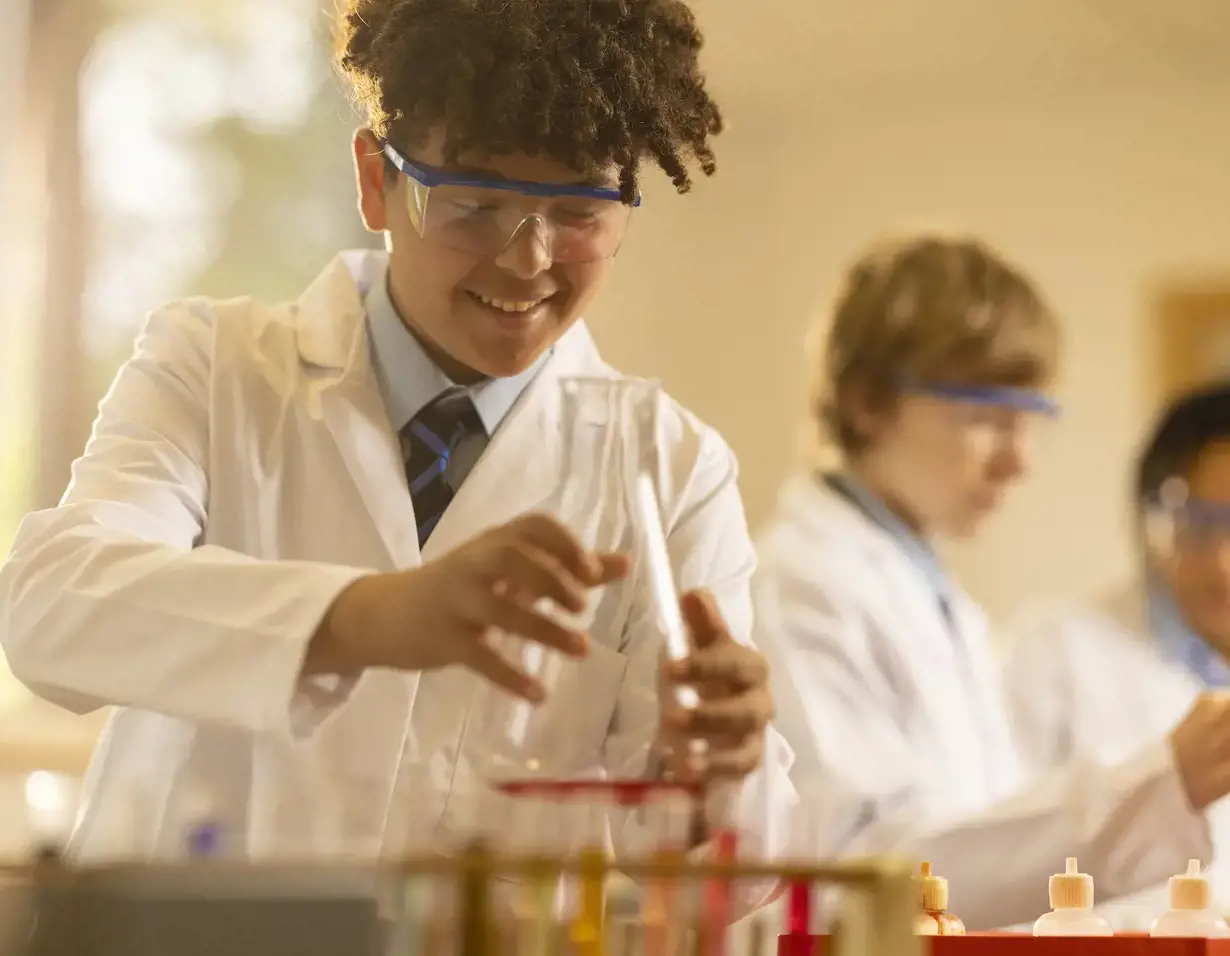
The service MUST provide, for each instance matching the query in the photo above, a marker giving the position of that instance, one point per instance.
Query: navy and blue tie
(440, 445)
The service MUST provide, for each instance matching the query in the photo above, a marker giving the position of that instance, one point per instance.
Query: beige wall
(1101, 195)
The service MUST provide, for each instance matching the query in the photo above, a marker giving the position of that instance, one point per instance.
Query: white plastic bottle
(1071, 914)
(1189, 913)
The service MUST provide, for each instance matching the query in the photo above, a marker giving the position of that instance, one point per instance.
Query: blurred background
(155, 149)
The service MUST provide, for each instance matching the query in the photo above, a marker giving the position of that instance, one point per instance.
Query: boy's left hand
(736, 704)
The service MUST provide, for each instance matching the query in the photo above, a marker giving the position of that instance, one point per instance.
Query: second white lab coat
(241, 473)
(1089, 681)
(901, 733)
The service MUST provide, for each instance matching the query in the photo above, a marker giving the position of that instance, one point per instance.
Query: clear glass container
(602, 421)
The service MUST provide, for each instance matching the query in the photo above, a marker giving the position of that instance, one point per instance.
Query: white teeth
(508, 305)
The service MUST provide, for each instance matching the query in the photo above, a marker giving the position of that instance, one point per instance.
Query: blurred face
(478, 315)
(1198, 573)
(945, 465)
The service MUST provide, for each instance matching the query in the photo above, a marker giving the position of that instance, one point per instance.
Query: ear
(868, 413)
(369, 168)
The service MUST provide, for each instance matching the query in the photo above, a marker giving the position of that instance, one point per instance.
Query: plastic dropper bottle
(1189, 913)
(1071, 914)
(935, 920)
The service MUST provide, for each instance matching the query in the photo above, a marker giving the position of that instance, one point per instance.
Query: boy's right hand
(1201, 747)
(446, 611)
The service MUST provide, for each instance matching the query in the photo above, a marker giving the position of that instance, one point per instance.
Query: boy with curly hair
(296, 527)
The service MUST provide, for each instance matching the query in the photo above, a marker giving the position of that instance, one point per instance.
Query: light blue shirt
(409, 380)
(1180, 643)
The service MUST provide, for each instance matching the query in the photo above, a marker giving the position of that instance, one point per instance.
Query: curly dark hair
(590, 83)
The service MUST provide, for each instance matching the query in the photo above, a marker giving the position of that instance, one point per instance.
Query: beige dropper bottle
(1189, 914)
(935, 920)
(1071, 914)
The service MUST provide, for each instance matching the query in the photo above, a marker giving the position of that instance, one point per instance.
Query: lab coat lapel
(361, 749)
(332, 335)
(913, 599)
(929, 669)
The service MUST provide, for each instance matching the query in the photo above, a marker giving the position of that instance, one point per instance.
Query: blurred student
(932, 383)
(1097, 680)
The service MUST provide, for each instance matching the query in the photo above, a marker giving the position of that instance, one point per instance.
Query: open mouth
(510, 306)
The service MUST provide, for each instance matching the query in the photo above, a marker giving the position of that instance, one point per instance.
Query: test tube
(535, 901)
(669, 811)
(719, 897)
(661, 580)
(474, 914)
(586, 808)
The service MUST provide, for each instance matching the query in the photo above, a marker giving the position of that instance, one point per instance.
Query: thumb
(701, 615)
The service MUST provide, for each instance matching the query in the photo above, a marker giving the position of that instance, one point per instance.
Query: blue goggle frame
(1197, 513)
(430, 176)
(1001, 396)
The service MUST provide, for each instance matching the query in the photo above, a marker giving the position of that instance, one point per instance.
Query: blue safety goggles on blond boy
(573, 223)
(995, 406)
(1007, 397)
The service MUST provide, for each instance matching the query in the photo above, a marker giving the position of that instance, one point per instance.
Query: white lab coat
(240, 474)
(904, 728)
(1088, 681)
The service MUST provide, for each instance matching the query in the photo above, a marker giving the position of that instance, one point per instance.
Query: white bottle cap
(1071, 889)
(932, 890)
(1190, 890)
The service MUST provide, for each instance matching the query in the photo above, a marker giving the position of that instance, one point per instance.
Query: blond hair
(929, 309)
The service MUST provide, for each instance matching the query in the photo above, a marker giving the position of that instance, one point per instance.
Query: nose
(1012, 462)
(527, 252)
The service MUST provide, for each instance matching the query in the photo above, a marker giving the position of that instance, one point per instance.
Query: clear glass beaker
(602, 421)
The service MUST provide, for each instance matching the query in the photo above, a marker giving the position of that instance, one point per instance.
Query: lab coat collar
(329, 316)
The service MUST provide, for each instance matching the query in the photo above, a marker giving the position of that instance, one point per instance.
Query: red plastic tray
(1021, 944)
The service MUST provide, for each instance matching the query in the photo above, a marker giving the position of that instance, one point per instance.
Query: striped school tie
(440, 445)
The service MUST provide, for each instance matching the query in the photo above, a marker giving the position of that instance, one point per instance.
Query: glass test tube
(718, 898)
(585, 807)
(536, 896)
(669, 811)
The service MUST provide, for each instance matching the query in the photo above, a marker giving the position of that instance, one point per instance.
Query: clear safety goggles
(572, 223)
(996, 413)
(1177, 525)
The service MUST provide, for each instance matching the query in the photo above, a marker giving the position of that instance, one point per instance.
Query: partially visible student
(1097, 680)
(932, 381)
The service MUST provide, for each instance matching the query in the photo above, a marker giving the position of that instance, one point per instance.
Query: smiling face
(477, 316)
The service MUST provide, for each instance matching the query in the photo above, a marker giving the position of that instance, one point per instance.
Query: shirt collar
(410, 380)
